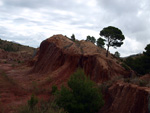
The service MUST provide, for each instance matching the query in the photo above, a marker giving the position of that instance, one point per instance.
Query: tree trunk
(107, 51)
(108, 47)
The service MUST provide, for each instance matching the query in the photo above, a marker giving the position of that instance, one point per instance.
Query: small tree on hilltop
(117, 54)
(100, 42)
(91, 38)
(73, 37)
(114, 37)
(82, 96)
(147, 50)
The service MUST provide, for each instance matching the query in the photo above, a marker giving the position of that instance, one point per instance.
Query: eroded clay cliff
(58, 57)
(127, 98)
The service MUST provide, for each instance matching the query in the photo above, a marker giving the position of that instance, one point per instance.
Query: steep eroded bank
(58, 57)
(127, 98)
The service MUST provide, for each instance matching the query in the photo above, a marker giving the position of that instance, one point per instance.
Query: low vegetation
(34, 105)
(126, 67)
(138, 81)
(105, 85)
(82, 96)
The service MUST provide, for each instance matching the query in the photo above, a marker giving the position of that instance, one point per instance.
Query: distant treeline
(140, 63)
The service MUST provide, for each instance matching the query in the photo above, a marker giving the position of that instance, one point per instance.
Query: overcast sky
(30, 21)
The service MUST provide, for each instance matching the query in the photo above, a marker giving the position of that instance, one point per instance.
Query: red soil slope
(14, 56)
(12, 78)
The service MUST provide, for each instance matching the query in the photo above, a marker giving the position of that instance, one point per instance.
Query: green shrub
(137, 81)
(73, 37)
(106, 85)
(82, 96)
(43, 107)
(54, 89)
(32, 102)
(125, 66)
(117, 54)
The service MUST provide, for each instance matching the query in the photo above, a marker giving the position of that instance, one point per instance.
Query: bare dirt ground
(17, 85)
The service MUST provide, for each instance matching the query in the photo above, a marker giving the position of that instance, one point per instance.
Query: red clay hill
(56, 59)
(59, 57)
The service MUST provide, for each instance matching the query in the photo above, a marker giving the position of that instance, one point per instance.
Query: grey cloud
(74, 16)
(121, 7)
(22, 20)
(59, 4)
(26, 3)
(50, 6)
